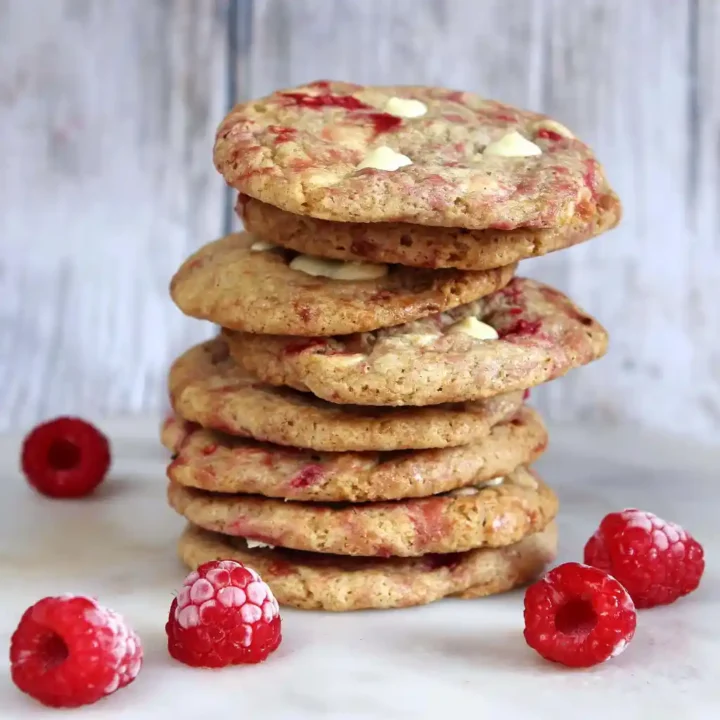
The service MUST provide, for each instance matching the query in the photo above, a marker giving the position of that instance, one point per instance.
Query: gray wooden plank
(617, 72)
(108, 110)
(701, 305)
(485, 46)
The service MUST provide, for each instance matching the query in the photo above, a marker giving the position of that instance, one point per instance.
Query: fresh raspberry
(223, 615)
(657, 561)
(578, 616)
(69, 651)
(66, 457)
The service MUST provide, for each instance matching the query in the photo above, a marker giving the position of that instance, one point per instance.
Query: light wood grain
(108, 115)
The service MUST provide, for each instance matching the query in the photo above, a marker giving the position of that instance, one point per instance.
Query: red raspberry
(578, 616)
(223, 615)
(69, 651)
(657, 561)
(65, 458)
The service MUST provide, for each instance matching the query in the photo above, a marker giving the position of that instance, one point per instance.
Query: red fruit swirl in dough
(309, 475)
(326, 100)
(382, 122)
(550, 135)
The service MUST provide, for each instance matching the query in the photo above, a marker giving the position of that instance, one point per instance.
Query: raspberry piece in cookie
(223, 615)
(657, 561)
(70, 651)
(578, 616)
(65, 458)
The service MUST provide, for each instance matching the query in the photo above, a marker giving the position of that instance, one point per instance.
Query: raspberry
(66, 457)
(69, 651)
(578, 616)
(657, 561)
(223, 615)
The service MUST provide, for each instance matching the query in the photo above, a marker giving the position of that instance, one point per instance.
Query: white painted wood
(108, 112)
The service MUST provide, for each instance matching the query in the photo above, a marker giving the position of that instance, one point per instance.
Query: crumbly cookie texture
(276, 291)
(313, 581)
(494, 516)
(420, 245)
(468, 161)
(207, 387)
(542, 335)
(221, 463)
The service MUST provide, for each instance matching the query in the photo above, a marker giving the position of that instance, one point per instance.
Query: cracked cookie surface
(220, 463)
(259, 291)
(493, 515)
(208, 387)
(465, 161)
(540, 334)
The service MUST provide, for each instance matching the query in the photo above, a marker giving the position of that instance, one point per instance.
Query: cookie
(450, 357)
(224, 464)
(265, 290)
(207, 387)
(419, 245)
(349, 153)
(330, 582)
(490, 515)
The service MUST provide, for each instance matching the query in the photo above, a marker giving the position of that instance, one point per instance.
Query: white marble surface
(453, 658)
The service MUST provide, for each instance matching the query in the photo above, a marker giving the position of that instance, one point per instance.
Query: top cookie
(349, 153)
(243, 284)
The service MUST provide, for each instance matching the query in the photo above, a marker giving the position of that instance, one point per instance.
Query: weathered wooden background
(107, 113)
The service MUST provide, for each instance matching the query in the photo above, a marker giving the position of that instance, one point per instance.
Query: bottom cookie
(314, 581)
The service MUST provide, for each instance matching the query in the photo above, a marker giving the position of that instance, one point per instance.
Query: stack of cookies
(357, 432)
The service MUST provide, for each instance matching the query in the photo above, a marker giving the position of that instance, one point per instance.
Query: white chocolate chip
(384, 158)
(256, 544)
(337, 269)
(474, 328)
(464, 492)
(475, 489)
(405, 108)
(421, 339)
(492, 482)
(553, 126)
(261, 246)
(346, 360)
(512, 145)
(360, 271)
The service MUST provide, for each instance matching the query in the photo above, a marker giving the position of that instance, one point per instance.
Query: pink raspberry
(578, 616)
(657, 561)
(65, 458)
(69, 651)
(223, 615)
